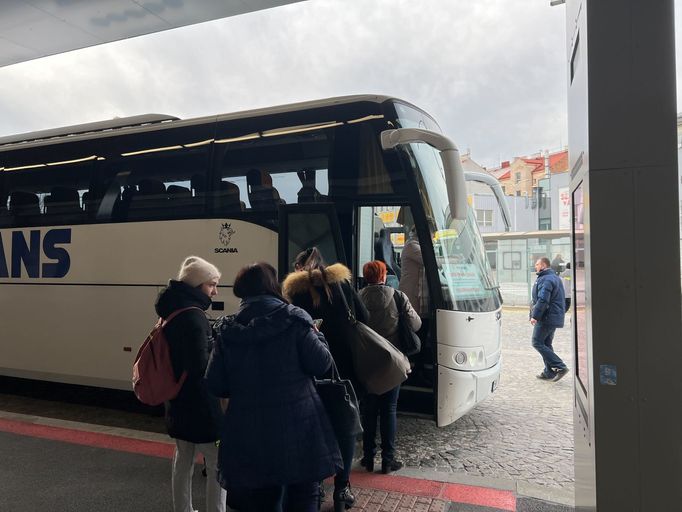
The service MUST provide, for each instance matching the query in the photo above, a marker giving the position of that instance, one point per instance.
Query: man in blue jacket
(547, 313)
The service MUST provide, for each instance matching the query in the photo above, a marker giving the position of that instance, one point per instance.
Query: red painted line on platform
(96, 439)
(504, 500)
(472, 495)
(397, 483)
(494, 498)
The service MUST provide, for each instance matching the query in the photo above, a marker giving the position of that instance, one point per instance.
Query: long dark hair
(257, 279)
(309, 260)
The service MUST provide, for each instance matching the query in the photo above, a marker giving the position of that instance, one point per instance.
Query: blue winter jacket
(549, 304)
(276, 431)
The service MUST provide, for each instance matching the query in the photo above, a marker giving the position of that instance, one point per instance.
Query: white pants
(183, 468)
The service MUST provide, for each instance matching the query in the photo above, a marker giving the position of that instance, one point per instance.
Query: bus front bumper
(459, 391)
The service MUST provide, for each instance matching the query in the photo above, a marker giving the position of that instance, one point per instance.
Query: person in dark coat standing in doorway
(276, 440)
(384, 318)
(547, 313)
(317, 288)
(193, 417)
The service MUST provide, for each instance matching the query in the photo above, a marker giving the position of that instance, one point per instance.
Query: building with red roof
(521, 175)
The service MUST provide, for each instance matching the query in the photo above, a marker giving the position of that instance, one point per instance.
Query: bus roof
(155, 121)
(78, 129)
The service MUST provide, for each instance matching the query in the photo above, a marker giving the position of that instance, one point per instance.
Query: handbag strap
(351, 316)
(336, 376)
(399, 302)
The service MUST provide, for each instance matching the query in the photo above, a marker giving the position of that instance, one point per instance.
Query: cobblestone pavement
(524, 432)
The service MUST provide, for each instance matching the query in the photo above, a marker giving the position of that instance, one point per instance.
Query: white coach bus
(95, 218)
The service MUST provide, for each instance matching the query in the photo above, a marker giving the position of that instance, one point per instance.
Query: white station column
(627, 322)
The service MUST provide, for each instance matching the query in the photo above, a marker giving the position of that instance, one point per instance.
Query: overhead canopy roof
(30, 29)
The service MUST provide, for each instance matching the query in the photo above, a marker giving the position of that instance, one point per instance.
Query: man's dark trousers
(543, 335)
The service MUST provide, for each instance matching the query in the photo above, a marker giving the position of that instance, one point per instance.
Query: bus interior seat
(62, 200)
(262, 195)
(228, 198)
(308, 192)
(385, 251)
(5, 219)
(176, 191)
(150, 187)
(150, 200)
(24, 203)
(182, 202)
(87, 205)
(119, 211)
(198, 184)
(148, 191)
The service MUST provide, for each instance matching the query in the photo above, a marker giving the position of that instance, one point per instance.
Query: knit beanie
(196, 271)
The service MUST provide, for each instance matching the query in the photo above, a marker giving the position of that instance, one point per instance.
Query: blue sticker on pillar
(608, 374)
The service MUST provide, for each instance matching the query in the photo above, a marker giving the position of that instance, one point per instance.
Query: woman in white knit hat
(193, 417)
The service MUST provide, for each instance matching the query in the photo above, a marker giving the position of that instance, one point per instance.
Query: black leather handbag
(341, 404)
(410, 343)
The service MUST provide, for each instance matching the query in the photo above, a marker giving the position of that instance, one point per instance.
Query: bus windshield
(464, 271)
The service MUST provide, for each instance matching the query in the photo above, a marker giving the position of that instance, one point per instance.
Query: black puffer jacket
(276, 431)
(306, 291)
(194, 415)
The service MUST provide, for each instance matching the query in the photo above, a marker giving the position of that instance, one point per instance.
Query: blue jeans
(543, 335)
(384, 407)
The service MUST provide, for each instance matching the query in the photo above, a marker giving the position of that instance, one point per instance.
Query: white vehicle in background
(95, 218)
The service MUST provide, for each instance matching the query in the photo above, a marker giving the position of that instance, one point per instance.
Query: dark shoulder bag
(341, 404)
(410, 343)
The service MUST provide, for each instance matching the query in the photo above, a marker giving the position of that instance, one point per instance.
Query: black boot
(343, 498)
(389, 466)
(367, 462)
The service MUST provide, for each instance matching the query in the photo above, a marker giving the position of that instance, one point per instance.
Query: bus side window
(155, 186)
(287, 167)
(45, 195)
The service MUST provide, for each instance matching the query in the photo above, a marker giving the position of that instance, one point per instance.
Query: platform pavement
(57, 465)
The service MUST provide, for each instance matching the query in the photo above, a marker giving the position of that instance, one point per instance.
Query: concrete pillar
(627, 320)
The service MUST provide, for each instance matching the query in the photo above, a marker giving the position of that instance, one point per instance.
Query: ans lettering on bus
(29, 253)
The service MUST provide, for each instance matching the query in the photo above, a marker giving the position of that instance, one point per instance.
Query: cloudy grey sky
(492, 72)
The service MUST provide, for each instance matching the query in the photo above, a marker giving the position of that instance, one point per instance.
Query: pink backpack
(153, 377)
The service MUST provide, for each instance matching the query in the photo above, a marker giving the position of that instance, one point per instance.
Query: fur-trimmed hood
(302, 281)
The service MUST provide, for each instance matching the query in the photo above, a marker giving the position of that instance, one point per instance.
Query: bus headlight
(469, 358)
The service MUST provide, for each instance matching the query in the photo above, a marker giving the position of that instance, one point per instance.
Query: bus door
(307, 225)
(381, 232)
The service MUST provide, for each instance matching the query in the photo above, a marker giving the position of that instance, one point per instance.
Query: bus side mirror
(452, 165)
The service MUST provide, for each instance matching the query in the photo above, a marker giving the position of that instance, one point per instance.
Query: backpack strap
(176, 313)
